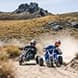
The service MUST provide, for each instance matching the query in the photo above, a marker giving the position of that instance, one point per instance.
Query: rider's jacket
(51, 50)
(30, 50)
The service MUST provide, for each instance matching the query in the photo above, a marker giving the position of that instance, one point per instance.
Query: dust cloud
(69, 44)
(69, 47)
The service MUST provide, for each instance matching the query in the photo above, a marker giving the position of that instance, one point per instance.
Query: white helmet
(33, 42)
(58, 41)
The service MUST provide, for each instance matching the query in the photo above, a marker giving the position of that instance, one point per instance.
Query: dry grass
(23, 28)
(6, 66)
(3, 56)
(9, 51)
(12, 51)
(6, 70)
(74, 32)
(28, 29)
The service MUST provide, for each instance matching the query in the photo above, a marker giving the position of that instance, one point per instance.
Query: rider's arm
(21, 48)
(59, 51)
(26, 47)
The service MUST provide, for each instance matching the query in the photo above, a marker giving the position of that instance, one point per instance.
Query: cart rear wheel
(37, 59)
(41, 61)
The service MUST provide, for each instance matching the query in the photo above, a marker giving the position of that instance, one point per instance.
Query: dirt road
(35, 71)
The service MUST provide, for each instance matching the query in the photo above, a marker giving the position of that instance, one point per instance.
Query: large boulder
(54, 26)
(43, 12)
(22, 8)
(57, 27)
(33, 7)
(74, 24)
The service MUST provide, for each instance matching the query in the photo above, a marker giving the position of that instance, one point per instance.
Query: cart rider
(30, 50)
(56, 48)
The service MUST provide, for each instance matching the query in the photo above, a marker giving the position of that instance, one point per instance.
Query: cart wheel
(60, 59)
(41, 62)
(58, 64)
(37, 59)
(20, 62)
(50, 63)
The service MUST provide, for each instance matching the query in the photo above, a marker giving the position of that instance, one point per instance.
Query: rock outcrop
(54, 26)
(31, 8)
(25, 11)
(74, 24)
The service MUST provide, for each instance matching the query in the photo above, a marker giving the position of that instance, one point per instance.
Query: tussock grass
(24, 28)
(3, 56)
(9, 51)
(30, 28)
(6, 70)
(12, 51)
(6, 67)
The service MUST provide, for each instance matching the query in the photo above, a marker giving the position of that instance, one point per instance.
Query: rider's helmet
(57, 43)
(33, 42)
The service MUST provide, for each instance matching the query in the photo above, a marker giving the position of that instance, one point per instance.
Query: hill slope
(29, 28)
(23, 28)
(24, 11)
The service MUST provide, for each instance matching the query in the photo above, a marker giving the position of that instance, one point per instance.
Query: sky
(54, 6)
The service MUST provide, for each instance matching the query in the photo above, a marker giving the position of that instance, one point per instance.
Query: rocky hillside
(24, 11)
(31, 8)
(34, 27)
